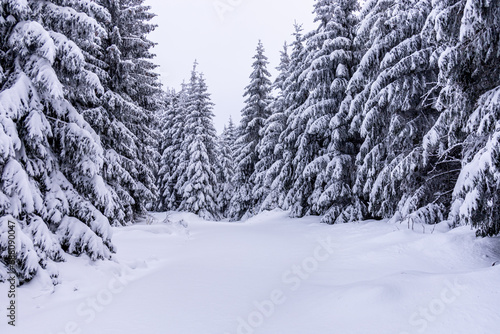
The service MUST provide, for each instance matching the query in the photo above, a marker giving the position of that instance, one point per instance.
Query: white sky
(223, 42)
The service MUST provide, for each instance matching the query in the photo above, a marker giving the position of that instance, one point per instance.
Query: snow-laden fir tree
(128, 35)
(420, 181)
(477, 191)
(254, 115)
(130, 103)
(174, 158)
(231, 133)
(294, 93)
(169, 142)
(225, 172)
(470, 104)
(393, 109)
(199, 187)
(335, 200)
(91, 108)
(50, 158)
(432, 169)
(328, 66)
(269, 149)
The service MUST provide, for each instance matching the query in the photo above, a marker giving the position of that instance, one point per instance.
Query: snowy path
(274, 275)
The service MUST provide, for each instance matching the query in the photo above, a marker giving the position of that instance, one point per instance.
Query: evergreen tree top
(260, 75)
(283, 68)
(328, 10)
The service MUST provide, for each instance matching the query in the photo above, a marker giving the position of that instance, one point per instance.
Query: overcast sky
(222, 35)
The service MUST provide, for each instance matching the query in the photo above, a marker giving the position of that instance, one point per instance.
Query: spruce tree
(395, 112)
(171, 130)
(226, 167)
(336, 201)
(469, 105)
(198, 191)
(328, 67)
(295, 93)
(176, 152)
(50, 158)
(269, 149)
(254, 115)
(131, 102)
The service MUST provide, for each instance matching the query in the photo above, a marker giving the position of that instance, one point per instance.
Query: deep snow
(272, 275)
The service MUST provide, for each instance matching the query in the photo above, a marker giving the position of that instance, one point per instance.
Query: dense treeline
(389, 111)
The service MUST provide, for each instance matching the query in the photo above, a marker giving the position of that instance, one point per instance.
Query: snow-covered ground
(273, 275)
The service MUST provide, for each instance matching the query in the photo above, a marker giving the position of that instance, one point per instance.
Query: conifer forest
(387, 111)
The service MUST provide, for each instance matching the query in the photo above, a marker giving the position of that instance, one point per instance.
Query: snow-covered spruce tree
(226, 167)
(394, 106)
(421, 181)
(269, 149)
(173, 161)
(128, 33)
(377, 35)
(167, 141)
(231, 133)
(477, 191)
(131, 103)
(442, 144)
(336, 201)
(329, 65)
(437, 164)
(295, 94)
(254, 115)
(50, 157)
(470, 75)
(91, 108)
(199, 186)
